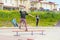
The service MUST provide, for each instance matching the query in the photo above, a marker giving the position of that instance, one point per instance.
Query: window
(6, 1)
(10, 1)
(0, 7)
(32, 4)
(0, 1)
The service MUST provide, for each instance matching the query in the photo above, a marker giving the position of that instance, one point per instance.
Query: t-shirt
(37, 17)
(23, 14)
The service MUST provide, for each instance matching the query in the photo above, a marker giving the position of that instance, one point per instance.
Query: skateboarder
(23, 14)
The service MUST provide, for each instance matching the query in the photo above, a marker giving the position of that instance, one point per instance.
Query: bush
(46, 18)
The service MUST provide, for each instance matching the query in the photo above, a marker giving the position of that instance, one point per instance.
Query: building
(9, 4)
(27, 4)
(48, 5)
(37, 4)
(1, 5)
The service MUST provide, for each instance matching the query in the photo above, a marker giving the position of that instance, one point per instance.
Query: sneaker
(26, 30)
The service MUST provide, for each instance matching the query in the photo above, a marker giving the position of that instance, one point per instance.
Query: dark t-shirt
(23, 14)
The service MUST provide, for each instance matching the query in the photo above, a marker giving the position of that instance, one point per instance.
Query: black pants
(37, 20)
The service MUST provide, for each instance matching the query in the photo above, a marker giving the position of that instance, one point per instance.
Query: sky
(57, 1)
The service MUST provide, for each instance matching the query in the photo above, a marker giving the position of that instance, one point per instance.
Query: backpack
(14, 23)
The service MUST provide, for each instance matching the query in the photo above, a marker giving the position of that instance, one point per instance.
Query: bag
(14, 23)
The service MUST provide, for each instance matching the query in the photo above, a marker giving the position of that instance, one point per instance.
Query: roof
(36, 1)
(1, 3)
(45, 2)
(10, 6)
(22, 6)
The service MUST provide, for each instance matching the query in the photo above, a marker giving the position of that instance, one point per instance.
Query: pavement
(58, 23)
(51, 33)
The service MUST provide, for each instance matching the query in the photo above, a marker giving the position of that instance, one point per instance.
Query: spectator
(37, 20)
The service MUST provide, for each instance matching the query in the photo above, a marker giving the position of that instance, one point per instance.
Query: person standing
(37, 20)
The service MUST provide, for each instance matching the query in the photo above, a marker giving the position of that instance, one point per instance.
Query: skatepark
(50, 33)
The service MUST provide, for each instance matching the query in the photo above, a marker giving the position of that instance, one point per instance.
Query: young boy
(14, 22)
(23, 14)
(37, 20)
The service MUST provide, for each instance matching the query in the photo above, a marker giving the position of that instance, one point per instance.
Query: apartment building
(48, 5)
(37, 4)
(9, 4)
(27, 4)
(1, 5)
